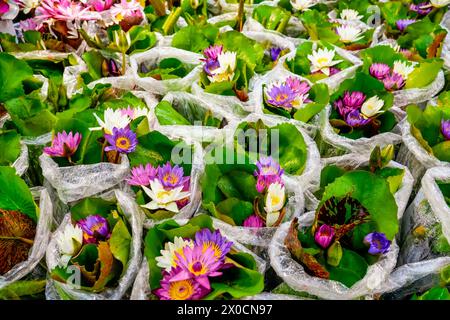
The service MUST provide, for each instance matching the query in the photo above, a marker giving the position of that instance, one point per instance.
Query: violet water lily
(324, 235)
(378, 243)
(392, 78)
(64, 145)
(403, 23)
(422, 8)
(268, 171)
(95, 228)
(290, 94)
(253, 221)
(206, 238)
(445, 129)
(142, 175)
(121, 140)
(275, 53)
(219, 65)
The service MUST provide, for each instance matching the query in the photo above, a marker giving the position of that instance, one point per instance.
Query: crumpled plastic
(21, 163)
(274, 39)
(333, 144)
(234, 7)
(295, 276)
(333, 82)
(141, 288)
(53, 256)
(41, 239)
(80, 181)
(355, 161)
(445, 23)
(414, 156)
(152, 57)
(273, 296)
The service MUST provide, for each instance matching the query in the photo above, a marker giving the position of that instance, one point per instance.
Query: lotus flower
(322, 60)
(95, 228)
(121, 140)
(422, 9)
(356, 119)
(393, 82)
(127, 9)
(162, 198)
(253, 221)
(64, 145)
(134, 113)
(445, 129)
(100, 5)
(324, 235)
(349, 34)
(187, 289)
(69, 242)
(27, 5)
(113, 119)
(171, 177)
(227, 66)
(403, 23)
(206, 238)
(63, 10)
(372, 107)
(268, 171)
(354, 99)
(403, 68)
(275, 199)
(4, 7)
(302, 5)
(168, 259)
(298, 87)
(141, 176)
(379, 70)
(281, 96)
(350, 15)
(378, 243)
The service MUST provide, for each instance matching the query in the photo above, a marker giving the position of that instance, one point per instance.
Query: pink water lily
(4, 7)
(63, 10)
(64, 145)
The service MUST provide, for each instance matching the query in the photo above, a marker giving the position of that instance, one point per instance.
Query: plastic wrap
(332, 144)
(273, 296)
(132, 213)
(234, 7)
(80, 181)
(40, 241)
(295, 276)
(21, 163)
(152, 57)
(195, 190)
(293, 30)
(274, 39)
(141, 288)
(333, 82)
(414, 156)
(445, 55)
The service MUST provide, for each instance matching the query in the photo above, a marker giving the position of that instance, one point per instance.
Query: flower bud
(334, 254)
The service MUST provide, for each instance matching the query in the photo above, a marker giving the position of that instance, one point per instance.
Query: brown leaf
(356, 46)
(17, 232)
(241, 95)
(106, 265)
(434, 50)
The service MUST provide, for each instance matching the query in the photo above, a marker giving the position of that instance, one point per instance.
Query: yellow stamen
(181, 290)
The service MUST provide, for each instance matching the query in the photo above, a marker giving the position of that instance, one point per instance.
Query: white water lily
(28, 5)
(168, 257)
(135, 113)
(349, 34)
(395, 46)
(162, 198)
(322, 60)
(403, 68)
(275, 200)
(227, 66)
(302, 5)
(350, 15)
(113, 119)
(372, 107)
(439, 3)
(69, 242)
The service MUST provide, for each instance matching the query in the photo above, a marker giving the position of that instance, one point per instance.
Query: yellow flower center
(214, 246)
(322, 60)
(162, 193)
(123, 143)
(170, 178)
(275, 200)
(197, 268)
(181, 290)
(281, 97)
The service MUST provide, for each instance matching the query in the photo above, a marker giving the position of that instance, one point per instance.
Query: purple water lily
(378, 243)
(393, 82)
(402, 24)
(95, 228)
(171, 177)
(324, 235)
(253, 221)
(379, 70)
(64, 145)
(422, 9)
(211, 62)
(275, 53)
(141, 176)
(4, 7)
(206, 238)
(281, 96)
(355, 119)
(122, 140)
(297, 86)
(445, 129)
(268, 171)
(350, 102)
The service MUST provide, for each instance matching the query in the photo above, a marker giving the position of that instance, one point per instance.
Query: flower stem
(103, 150)
(25, 240)
(171, 20)
(240, 16)
(69, 158)
(160, 8)
(116, 158)
(124, 63)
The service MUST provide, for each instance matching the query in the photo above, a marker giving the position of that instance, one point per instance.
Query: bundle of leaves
(272, 18)
(30, 41)
(96, 243)
(186, 113)
(168, 68)
(195, 38)
(424, 73)
(240, 278)
(427, 127)
(348, 220)
(255, 138)
(18, 218)
(367, 87)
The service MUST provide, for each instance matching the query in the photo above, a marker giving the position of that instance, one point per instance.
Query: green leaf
(94, 60)
(89, 206)
(15, 194)
(195, 38)
(22, 288)
(120, 242)
(167, 115)
(442, 151)
(10, 146)
(350, 270)
(424, 74)
(436, 293)
(12, 86)
(394, 177)
(87, 257)
(237, 209)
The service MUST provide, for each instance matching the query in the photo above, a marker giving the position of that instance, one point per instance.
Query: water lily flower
(227, 66)
(275, 199)
(187, 289)
(253, 221)
(356, 119)
(280, 96)
(393, 82)
(403, 23)
(378, 243)
(122, 40)
(422, 9)
(171, 177)
(141, 176)
(29, 25)
(27, 5)
(324, 235)
(63, 10)
(135, 113)
(350, 15)
(274, 53)
(199, 264)
(95, 228)
(4, 7)
(121, 140)
(439, 3)
(379, 70)
(445, 129)
(350, 102)
(213, 52)
(349, 34)
(64, 145)
(100, 5)
(302, 5)
(206, 239)
(267, 172)
(162, 198)
(372, 107)
(168, 259)
(126, 9)
(113, 119)
(297, 86)
(69, 242)
(322, 60)
(403, 68)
